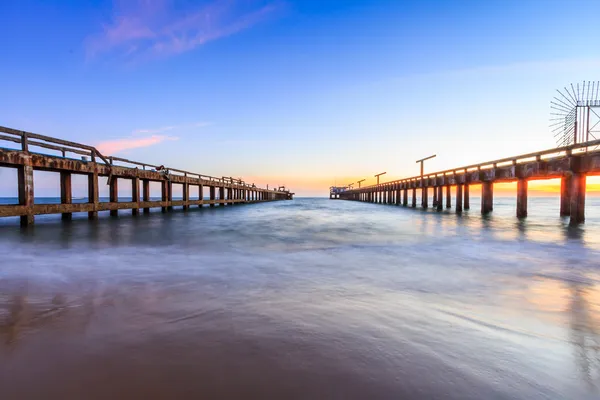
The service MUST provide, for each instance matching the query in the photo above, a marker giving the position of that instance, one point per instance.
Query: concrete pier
(571, 164)
(94, 165)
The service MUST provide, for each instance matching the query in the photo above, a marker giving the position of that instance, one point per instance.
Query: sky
(298, 93)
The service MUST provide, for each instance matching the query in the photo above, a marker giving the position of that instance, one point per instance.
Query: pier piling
(66, 194)
(521, 198)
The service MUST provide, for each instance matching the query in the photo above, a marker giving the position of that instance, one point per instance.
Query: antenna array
(575, 115)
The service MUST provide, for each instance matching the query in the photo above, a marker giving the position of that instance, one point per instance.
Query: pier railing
(572, 164)
(222, 191)
(543, 155)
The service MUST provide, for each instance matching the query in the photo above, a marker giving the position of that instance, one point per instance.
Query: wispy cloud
(119, 145)
(144, 138)
(151, 28)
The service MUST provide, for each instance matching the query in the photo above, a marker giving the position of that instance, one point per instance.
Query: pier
(75, 158)
(571, 164)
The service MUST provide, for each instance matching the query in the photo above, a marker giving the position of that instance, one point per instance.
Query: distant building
(334, 191)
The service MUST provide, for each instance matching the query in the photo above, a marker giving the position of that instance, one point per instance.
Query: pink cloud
(150, 28)
(110, 147)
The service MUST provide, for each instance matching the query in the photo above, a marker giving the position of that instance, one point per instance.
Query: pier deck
(117, 171)
(571, 164)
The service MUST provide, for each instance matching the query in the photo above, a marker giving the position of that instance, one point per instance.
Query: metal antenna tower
(575, 115)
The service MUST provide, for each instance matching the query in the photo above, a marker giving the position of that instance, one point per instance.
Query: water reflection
(585, 334)
(354, 284)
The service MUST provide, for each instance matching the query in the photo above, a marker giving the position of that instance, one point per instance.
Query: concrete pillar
(440, 196)
(221, 195)
(578, 182)
(565, 195)
(146, 194)
(212, 196)
(164, 195)
(405, 197)
(186, 196)
(448, 197)
(114, 194)
(25, 177)
(466, 196)
(414, 197)
(435, 197)
(459, 198)
(201, 194)
(424, 197)
(93, 194)
(170, 195)
(487, 197)
(521, 198)
(66, 194)
(135, 195)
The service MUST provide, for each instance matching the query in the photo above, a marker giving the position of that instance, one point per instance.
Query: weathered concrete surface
(571, 168)
(26, 162)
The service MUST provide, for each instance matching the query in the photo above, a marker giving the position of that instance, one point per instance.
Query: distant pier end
(335, 192)
(26, 159)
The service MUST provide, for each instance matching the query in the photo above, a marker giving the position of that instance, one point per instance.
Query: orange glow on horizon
(319, 186)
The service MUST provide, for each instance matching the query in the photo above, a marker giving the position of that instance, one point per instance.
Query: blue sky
(302, 93)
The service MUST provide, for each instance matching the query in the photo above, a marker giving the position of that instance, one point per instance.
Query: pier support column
(170, 195)
(466, 196)
(93, 194)
(565, 196)
(25, 177)
(414, 197)
(221, 195)
(435, 197)
(135, 195)
(66, 194)
(201, 195)
(424, 197)
(487, 197)
(521, 198)
(114, 194)
(440, 195)
(146, 194)
(448, 197)
(578, 182)
(212, 196)
(186, 196)
(459, 198)
(164, 195)
(405, 197)
(398, 198)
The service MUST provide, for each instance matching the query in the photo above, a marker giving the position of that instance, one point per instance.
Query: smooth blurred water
(311, 298)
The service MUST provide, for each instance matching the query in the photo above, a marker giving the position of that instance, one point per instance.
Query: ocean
(305, 299)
